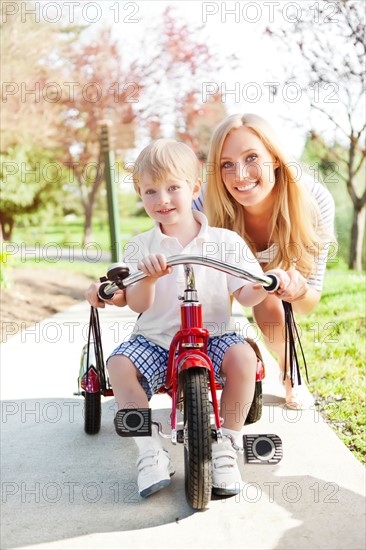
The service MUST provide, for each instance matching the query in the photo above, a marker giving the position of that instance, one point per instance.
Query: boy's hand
(154, 266)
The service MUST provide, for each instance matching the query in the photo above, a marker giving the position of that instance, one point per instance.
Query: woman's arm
(92, 297)
(304, 298)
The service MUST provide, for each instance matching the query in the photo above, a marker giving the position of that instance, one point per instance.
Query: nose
(163, 197)
(245, 172)
(240, 171)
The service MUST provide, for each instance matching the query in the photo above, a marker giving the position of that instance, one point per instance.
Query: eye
(149, 191)
(251, 158)
(227, 164)
(173, 187)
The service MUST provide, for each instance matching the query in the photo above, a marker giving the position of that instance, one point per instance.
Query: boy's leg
(239, 369)
(128, 392)
(153, 464)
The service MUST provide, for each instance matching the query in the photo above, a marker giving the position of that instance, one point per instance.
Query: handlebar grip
(274, 285)
(103, 295)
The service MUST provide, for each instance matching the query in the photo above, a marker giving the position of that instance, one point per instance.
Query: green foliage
(319, 158)
(4, 280)
(31, 185)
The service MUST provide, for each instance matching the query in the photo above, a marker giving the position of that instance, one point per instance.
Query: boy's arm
(251, 294)
(141, 295)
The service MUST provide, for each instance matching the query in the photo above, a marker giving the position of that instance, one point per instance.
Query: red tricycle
(189, 381)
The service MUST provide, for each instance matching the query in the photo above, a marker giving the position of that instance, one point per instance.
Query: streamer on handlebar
(291, 336)
(94, 336)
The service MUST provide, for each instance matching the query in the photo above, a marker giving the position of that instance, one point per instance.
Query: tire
(92, 413)
(197, 439)
(255, 411)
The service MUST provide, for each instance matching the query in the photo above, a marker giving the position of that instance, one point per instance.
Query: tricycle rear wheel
(197, 438)
(92, 413)
(255, 411)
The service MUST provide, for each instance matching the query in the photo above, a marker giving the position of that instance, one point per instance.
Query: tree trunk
(88, 227)
(357, 236)
(7, 225)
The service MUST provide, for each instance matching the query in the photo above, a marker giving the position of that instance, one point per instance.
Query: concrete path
(64, 489)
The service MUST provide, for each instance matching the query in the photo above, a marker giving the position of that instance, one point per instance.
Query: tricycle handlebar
(120, 279)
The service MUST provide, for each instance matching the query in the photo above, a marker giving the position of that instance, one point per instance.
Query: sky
(230, 28)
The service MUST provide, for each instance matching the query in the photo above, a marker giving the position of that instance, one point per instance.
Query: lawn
(334, 338)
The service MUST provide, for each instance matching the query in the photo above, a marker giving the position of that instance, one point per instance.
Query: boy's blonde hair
(166, 158)
(296, 217)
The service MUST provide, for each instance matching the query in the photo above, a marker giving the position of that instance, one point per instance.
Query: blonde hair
(166, 158)
(296, 218)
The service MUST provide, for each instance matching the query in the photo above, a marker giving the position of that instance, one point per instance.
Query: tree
(178, 61)
(102, 90)
(29, 122)
(199, 120)
(329, 38)
(30, 182)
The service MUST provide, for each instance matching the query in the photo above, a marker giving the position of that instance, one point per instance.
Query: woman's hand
(283, 279)
(154, 266)
(92, 297)
(296, 288)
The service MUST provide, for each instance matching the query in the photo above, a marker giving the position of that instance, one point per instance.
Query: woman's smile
(246, 187)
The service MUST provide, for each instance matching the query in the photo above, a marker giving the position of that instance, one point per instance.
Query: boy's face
(168, 201)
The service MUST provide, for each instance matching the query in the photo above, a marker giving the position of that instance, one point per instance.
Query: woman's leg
(270, 317)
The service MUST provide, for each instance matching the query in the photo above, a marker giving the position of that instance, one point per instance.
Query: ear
(276, 164)
(197, 189)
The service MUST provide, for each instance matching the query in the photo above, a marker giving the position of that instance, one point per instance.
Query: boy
(166, 177)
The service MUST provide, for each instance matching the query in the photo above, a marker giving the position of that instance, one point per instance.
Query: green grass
(72, 232)
(334, 337)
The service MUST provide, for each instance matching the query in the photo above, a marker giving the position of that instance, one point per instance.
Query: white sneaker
(154, 471)
(226, 477)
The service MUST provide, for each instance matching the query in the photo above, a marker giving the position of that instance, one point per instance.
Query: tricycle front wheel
(197, 438)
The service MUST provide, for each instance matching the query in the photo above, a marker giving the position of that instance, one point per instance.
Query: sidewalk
(64, 489)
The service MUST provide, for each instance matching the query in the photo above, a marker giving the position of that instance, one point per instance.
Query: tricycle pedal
(262, 448)
(133, 422)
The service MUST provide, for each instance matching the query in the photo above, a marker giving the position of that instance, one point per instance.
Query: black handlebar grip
(102, 295)
(274, 285)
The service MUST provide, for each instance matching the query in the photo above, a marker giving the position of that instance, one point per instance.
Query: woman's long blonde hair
(296, 223)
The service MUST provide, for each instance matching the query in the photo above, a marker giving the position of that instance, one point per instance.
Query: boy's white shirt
(161, 321)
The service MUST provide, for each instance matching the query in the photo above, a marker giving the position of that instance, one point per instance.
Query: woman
(287, 219)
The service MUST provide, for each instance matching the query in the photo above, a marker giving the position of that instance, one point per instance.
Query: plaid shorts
(151, 360)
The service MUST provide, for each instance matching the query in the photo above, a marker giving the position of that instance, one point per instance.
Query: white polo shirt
(162, 320)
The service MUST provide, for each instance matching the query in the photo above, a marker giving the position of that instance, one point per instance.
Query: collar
(199, 239)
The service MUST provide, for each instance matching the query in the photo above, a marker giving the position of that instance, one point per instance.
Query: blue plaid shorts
(151, 360)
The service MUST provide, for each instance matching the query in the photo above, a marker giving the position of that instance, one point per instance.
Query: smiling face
(247, 168)
(168, 202)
